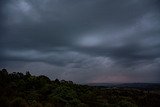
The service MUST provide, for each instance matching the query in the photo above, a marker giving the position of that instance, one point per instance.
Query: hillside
(25, 90)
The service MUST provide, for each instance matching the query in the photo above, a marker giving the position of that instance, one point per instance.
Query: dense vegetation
(19, 90)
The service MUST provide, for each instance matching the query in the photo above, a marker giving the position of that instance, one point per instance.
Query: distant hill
(148, 86)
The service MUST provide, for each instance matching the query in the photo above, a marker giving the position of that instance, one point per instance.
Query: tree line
(26, 90)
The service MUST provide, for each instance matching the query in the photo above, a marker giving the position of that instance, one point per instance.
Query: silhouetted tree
(57, 81)
(3, 77)
(28, 74)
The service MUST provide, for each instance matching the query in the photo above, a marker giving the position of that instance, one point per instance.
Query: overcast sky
(82, 40)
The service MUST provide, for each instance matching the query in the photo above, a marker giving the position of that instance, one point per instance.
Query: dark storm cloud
(60, 21)
(83, 37)
(2, 17)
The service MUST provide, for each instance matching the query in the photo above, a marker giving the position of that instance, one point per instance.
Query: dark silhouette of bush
(4, 102)
(125, 103)
(18, 102)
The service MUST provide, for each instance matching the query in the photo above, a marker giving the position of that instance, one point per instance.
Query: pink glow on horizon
(112, 79)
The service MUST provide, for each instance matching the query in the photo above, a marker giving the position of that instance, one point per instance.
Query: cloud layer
(83, 41)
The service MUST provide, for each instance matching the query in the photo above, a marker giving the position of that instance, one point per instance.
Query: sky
(85, 41)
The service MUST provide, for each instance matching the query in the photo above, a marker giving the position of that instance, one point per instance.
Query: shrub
(18, 102)
(125, 103)
(4, 102)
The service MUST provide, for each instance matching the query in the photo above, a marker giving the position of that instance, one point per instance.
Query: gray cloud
(85, 41)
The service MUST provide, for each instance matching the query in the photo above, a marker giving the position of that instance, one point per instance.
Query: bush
(124, 103)
(18, 102)
(36, 104)
(4, 102)
(49, 105)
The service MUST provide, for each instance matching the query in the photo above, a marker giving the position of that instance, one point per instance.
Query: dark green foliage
(18, 102)
(19, 90)
(3, 77)
(125, 103)
(4, 102)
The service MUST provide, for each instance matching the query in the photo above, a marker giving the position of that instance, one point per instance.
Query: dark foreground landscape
(24, 90)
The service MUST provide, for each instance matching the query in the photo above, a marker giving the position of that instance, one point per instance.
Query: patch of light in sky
(89, 41)
(24, 6)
